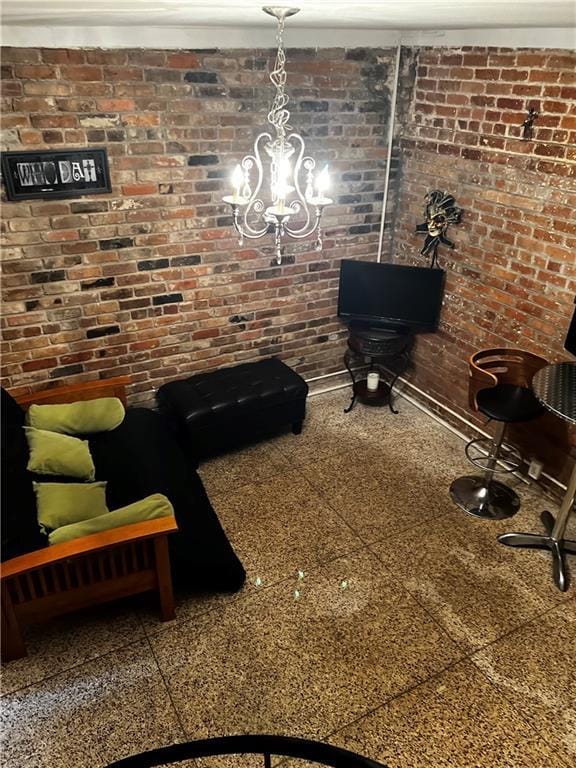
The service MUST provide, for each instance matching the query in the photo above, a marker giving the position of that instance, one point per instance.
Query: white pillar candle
(323, 182)
(372, 381)
(237, 181)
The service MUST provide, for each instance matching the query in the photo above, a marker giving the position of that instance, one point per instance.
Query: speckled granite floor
(376, 616)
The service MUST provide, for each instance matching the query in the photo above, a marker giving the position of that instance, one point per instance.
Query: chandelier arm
(302, 203)
(254, 203)
(246, 230)
(298, 235)
(244, 234)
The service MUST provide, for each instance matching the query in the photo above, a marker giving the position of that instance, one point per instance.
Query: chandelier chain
(279, 115)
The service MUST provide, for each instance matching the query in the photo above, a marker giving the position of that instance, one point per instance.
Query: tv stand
(384, 349)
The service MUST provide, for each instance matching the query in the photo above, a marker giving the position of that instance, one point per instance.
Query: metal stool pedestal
(482, 496)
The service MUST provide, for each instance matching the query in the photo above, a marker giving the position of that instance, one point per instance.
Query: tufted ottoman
(218, 411)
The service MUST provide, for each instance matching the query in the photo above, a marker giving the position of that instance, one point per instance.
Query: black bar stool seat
(509, 403)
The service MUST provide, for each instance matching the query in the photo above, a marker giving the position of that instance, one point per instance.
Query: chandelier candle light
(288, 169)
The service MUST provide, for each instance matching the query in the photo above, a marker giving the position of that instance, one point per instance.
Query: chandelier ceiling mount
(280, 12)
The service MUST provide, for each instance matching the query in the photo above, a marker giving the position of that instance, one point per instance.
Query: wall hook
(528, 124)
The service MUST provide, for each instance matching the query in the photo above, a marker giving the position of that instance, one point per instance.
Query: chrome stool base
(489, 501)
(557, 546)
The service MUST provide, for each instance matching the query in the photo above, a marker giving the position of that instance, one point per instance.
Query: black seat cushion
(509, 403)
(20, 530)
(142, 456)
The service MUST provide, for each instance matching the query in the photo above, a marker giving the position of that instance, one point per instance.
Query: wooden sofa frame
(94, 569)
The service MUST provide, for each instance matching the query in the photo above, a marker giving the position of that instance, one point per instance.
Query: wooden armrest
(87, 390)
(160, 526)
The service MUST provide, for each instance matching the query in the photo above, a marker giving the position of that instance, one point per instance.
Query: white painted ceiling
(318, 14)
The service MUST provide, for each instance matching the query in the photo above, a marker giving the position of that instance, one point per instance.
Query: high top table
(555, 387)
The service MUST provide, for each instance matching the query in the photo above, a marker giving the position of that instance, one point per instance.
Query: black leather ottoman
(218, 411)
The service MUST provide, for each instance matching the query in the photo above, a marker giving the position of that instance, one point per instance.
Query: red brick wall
(511, 279)
(150, 280)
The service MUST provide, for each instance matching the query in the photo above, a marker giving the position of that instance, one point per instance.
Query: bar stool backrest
(490, 367)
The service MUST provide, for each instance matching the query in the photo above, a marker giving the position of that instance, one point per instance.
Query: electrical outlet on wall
(535, 469)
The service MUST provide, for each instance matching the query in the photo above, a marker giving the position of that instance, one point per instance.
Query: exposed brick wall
(150, 280)
(511, 279)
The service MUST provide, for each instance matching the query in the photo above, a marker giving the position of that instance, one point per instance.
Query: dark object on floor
(138, 458)
(528, 124)
(221, 410)
(284, 746)
(441, 211)
(499, 387)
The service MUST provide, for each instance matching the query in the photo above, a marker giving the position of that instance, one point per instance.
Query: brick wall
(150, 280)
(511, 279)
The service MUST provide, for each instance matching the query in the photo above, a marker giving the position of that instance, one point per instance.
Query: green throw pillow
(149, 508)
(59, 504)
(55, 454)
(81, 418)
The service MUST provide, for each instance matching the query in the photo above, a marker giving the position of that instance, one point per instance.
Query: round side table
(383, 350)
(555, 387)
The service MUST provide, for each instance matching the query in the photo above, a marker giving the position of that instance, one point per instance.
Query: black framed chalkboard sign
(50, 174)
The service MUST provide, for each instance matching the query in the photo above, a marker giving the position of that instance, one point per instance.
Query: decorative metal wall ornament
(61, 173)
(252, 218)
(528, 124)
(441, 211)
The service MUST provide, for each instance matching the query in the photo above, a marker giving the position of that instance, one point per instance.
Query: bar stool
(499, 388)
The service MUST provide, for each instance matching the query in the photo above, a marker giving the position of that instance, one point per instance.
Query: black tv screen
(390, 294)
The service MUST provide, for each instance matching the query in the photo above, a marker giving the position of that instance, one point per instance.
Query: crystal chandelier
(295, 189)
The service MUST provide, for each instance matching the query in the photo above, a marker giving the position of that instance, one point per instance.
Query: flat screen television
(390, 295)
(570, 342)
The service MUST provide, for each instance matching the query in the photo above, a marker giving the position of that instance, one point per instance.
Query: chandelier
(295, 189)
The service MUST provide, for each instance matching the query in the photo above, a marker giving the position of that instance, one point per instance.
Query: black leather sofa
(138, 458)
